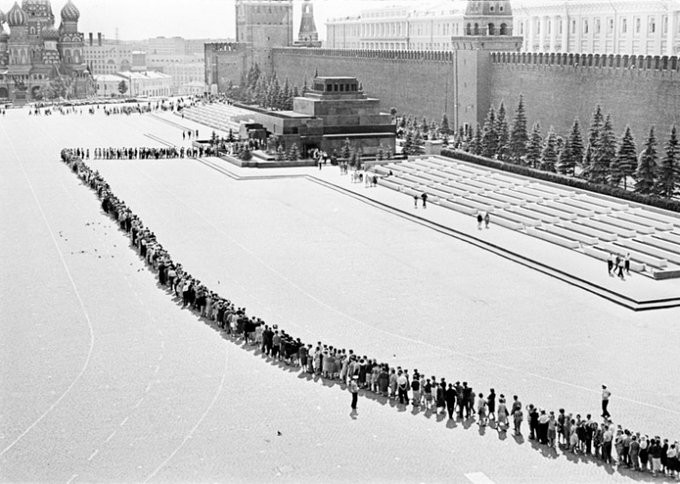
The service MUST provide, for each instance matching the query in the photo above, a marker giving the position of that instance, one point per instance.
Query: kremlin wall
(481, 70)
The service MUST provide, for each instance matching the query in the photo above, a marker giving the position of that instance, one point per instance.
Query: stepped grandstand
(589, 223)
(223, 117)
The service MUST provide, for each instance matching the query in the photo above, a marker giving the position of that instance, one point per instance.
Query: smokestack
(99, 39)
(90, 39)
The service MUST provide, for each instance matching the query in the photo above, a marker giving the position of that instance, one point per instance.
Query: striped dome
(70, 12)
(16, 17)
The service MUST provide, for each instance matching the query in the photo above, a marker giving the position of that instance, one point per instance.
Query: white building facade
(639, 27)
(147, 84)
(398, 28)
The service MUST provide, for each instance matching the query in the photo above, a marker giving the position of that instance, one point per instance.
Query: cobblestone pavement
(106, 379)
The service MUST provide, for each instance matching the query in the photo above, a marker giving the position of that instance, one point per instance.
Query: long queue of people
(569, 432)
(140, 153)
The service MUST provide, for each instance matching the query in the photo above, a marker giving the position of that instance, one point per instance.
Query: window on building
(521, 28)
(538, 26)
(559, 26)
(548, 27)
(638, 25)
(664, 24)
(585, 26)
(598, 26)
(624, 25)
(652, 25)
(610, 28)
(573, 26)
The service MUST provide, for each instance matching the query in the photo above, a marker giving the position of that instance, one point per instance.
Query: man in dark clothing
(460, 398)
(533, 421)
(467, 391)
(450, 397)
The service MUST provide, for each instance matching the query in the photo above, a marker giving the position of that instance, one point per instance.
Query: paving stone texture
(105, 378)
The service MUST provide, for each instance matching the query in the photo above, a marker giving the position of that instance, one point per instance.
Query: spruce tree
(645, 175)
(603, 154)
(489, 136)
(565, 161)
(668, 181)
(533, 150)
(596, 126)
(503, 133)
(294, 153)
(576, 146)
(549, 154)
(346, 150)
(418, 143)
(476, 141)
(424, 126)
(444, 125)
(587, 162)
(626, 158)
(519, 136)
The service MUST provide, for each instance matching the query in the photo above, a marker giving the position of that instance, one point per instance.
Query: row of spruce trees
(600, 158)
(264, 90)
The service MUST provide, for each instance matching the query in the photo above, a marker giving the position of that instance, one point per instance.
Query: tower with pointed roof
(308, 35)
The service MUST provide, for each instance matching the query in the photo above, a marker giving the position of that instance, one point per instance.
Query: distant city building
(427, 27)
(37, 60)
(263, 25)
(104, 56)
(145, 84)
(185, 70)
(639, 27)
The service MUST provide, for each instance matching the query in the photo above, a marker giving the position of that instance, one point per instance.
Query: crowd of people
(599, 437)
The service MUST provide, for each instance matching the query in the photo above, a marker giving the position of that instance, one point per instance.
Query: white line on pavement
(96, 451)
(478, 478)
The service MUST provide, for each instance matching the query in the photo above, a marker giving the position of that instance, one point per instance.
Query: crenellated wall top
(612, 61)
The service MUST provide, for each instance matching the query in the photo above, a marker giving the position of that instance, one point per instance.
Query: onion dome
(16, 17)
(50, 33)
(3, 18)
(70, 12)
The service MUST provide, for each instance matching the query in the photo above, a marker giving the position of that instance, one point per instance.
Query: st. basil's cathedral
(37, 60)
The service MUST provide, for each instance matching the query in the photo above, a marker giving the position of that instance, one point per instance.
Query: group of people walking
(361, 373)
(617, 265)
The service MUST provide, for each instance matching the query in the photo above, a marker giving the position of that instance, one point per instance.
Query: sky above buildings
(139, 19)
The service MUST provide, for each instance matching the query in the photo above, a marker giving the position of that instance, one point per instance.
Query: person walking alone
(606, 395)
(354, 390)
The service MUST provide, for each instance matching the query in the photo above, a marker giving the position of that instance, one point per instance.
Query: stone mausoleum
(334, 110)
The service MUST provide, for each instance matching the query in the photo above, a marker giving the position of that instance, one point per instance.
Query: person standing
(607, 438)
(626, 263)
(424, 199)
(354, 390)
(450, 397)
(480, 219)
(415, 200)
(610, 264)
(606, 395)
(487, 219)
(491, 404)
